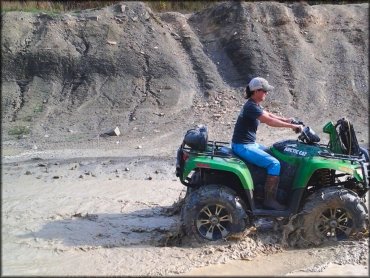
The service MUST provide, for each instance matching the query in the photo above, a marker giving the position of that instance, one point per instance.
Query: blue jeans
(255, 154)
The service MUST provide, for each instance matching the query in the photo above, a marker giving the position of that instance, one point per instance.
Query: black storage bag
(348, 137)
(197, 138)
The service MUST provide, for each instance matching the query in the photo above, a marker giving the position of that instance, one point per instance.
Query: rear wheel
(333, 214)
(195, 184)
(213, 212)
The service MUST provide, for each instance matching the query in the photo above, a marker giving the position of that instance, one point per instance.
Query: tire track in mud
(138, 224)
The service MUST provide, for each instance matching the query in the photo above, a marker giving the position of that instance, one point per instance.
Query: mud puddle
(325, 261)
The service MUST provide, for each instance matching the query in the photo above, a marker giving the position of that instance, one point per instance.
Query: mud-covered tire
(332, 214)
(189, 190)
(195, 184)
(213, 212)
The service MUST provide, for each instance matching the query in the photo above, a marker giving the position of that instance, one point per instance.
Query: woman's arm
(276, 122)
(286, 120)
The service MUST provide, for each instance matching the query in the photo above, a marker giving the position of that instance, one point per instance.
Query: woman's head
(256, 85)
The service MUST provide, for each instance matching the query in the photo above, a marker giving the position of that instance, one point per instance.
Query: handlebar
(297, 122)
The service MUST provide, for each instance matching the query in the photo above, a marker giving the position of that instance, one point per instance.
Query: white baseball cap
(260, 83)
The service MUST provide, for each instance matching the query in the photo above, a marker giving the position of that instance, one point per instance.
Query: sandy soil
(73, 212)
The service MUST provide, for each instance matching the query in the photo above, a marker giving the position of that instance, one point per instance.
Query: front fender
(308, 167)
(233, 165)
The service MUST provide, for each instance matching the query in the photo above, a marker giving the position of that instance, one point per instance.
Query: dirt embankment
(69, 77)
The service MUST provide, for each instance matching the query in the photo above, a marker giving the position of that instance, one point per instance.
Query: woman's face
(260, 95)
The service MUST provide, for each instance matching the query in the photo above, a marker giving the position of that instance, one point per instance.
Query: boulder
(112, 132)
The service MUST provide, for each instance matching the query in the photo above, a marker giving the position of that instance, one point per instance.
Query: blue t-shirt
(247, 123)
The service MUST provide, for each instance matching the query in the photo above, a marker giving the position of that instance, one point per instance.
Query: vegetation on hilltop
(63, 6)
(159, 6)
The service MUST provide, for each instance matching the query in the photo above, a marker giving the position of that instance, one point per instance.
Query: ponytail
(248, 92)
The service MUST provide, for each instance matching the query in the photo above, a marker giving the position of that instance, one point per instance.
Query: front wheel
(333, 214)
(213, 212)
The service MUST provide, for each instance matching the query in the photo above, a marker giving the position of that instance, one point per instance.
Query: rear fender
(232, 165)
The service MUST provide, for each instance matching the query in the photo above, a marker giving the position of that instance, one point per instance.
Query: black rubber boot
(271, 187)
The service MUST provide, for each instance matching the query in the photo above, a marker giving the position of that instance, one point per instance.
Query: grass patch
(38, 109)
(19, 130)
(178, 6)
(74, 138)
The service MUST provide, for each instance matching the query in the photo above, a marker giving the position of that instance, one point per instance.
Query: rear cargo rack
(351, 158)
(213, 149)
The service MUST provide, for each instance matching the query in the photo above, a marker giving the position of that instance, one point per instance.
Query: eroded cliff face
(77, 74)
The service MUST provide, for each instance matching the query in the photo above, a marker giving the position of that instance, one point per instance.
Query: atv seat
(225, 151)
(229, 152)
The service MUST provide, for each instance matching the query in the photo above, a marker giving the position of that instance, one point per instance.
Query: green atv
(323, 186)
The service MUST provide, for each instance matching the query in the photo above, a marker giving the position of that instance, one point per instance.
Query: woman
(244, 137)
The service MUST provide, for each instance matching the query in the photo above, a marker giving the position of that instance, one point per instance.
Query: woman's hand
(297, 128)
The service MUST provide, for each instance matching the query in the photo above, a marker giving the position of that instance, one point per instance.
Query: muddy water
(112, 222)
(309, 262)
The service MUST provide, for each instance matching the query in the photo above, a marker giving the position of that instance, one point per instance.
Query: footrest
(274, 213)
